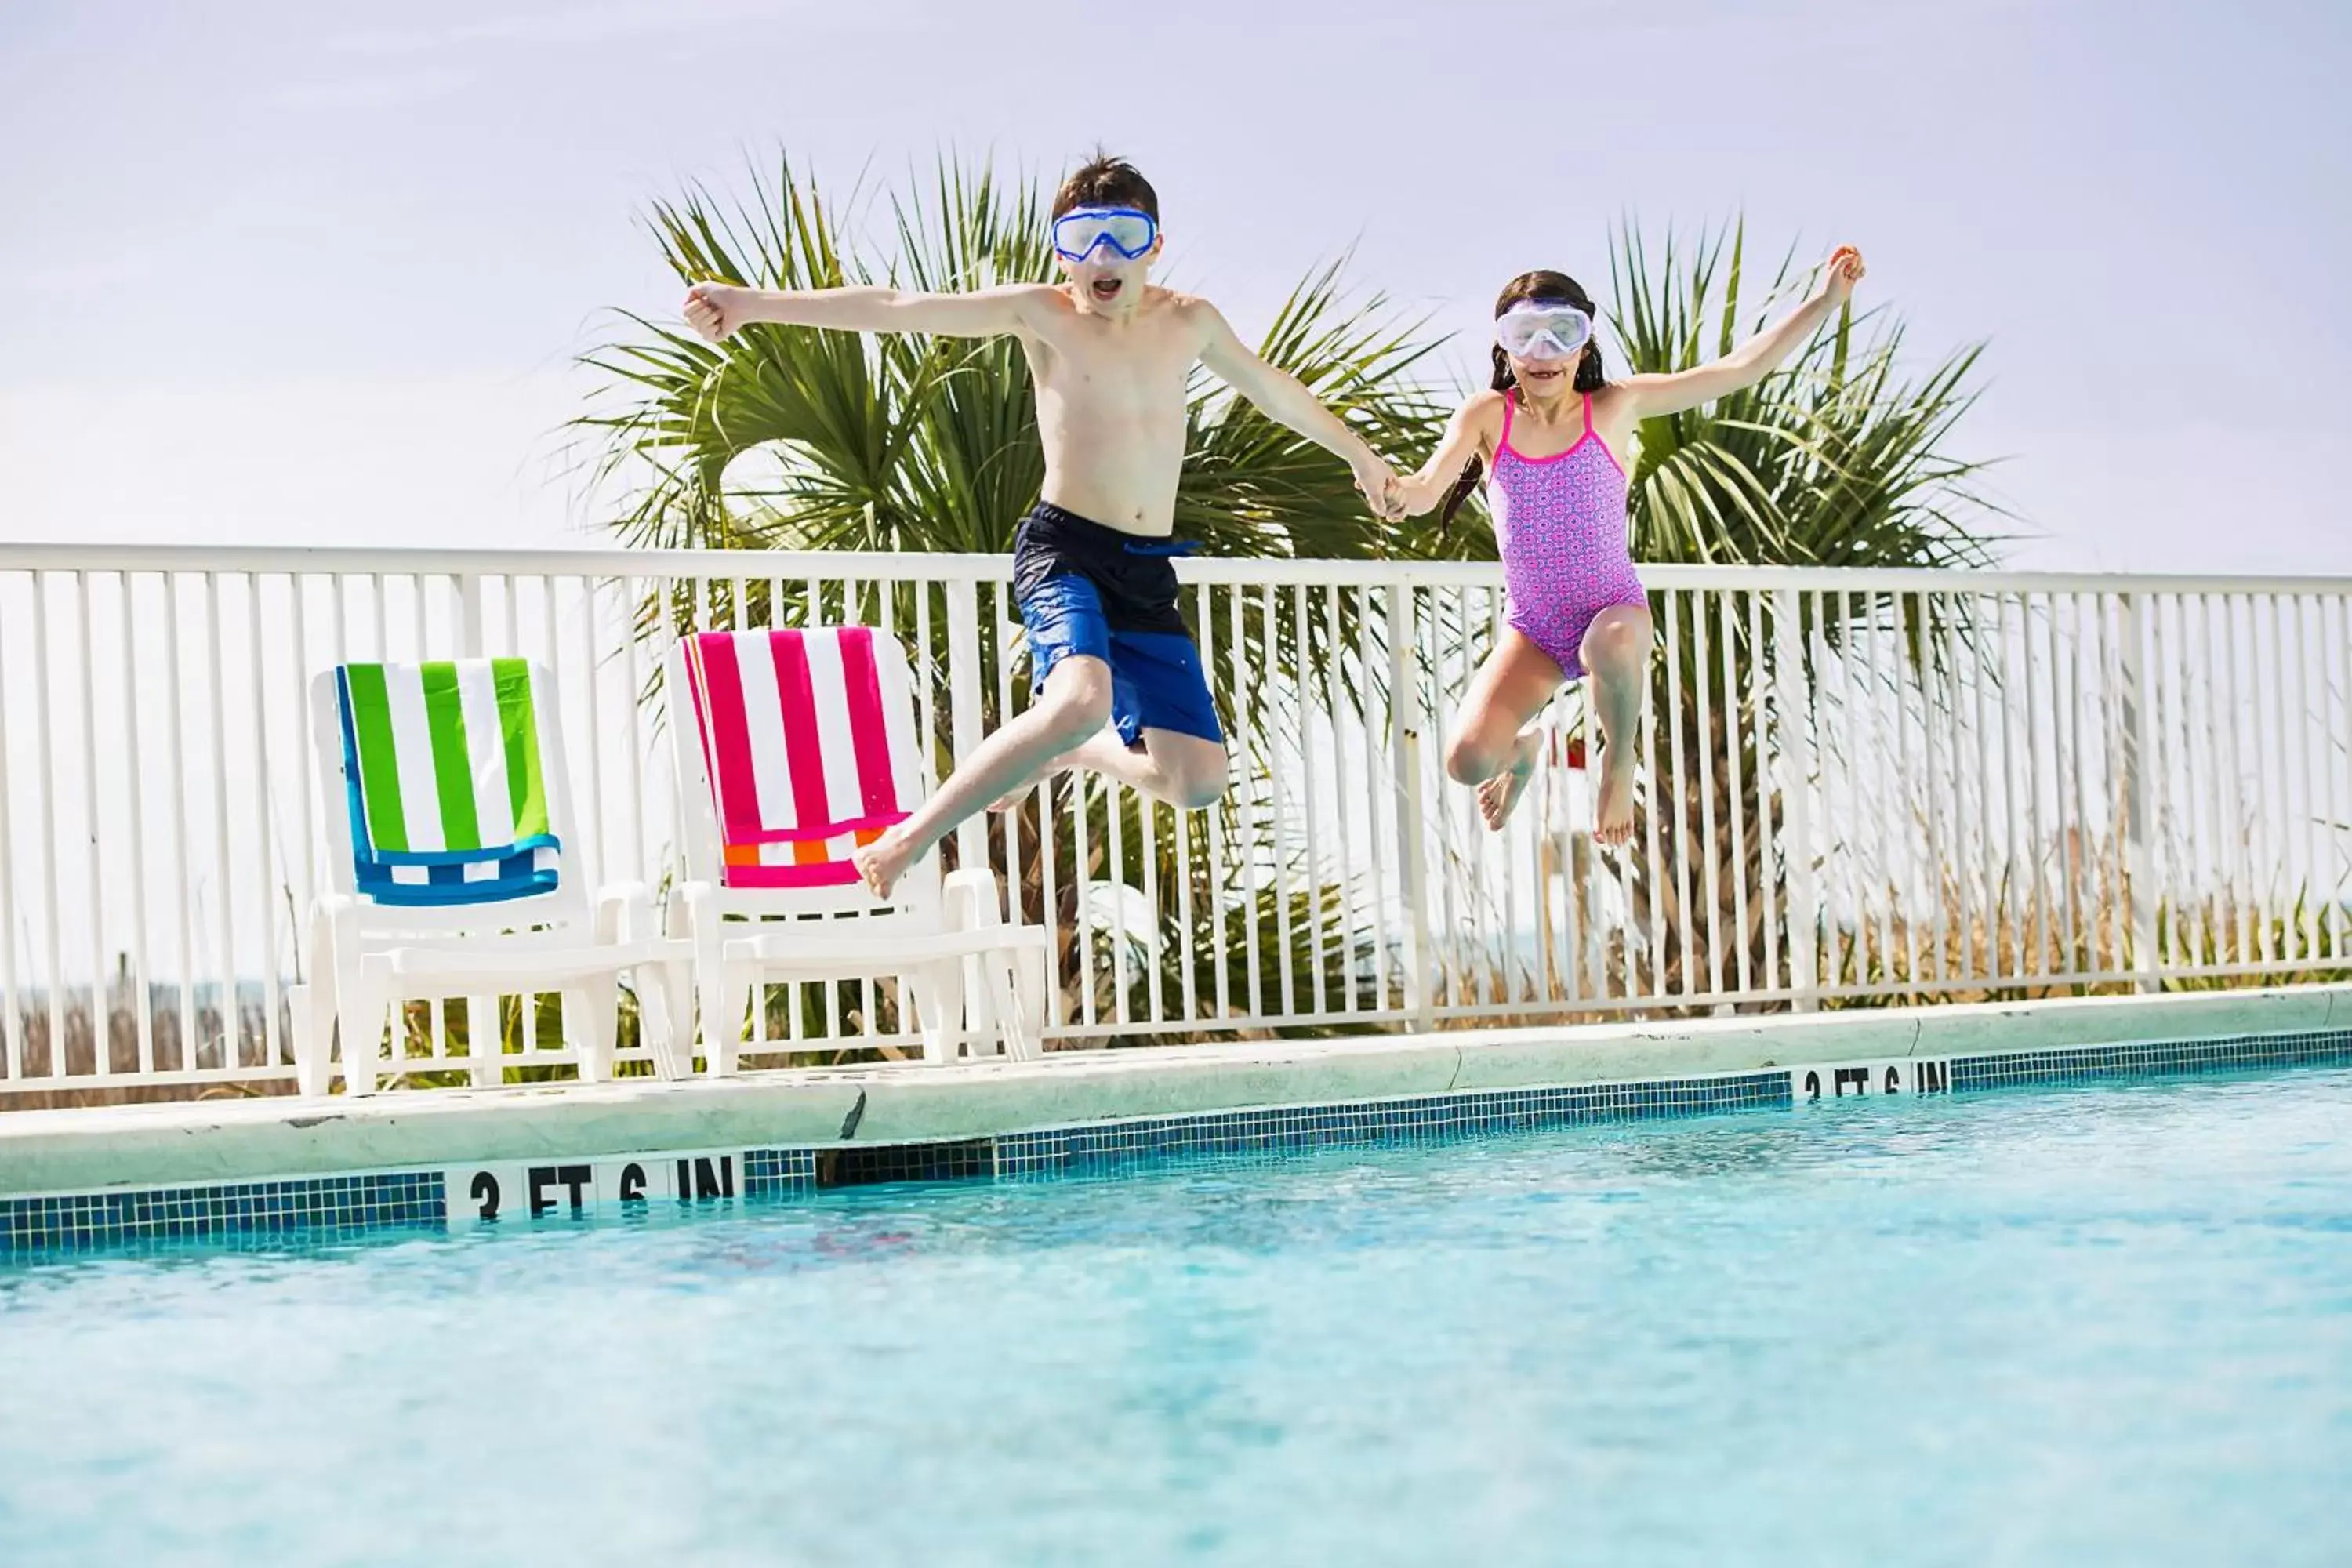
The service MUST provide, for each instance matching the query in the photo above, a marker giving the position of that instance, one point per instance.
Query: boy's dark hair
(1107, 182)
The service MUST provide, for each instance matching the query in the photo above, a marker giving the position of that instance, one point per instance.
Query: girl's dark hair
(1548, 288)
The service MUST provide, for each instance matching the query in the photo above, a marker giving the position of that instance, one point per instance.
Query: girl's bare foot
(1613, 812)
(1499, 795)
(884, 861)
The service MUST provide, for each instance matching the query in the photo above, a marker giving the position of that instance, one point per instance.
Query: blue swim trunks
(1086, 589)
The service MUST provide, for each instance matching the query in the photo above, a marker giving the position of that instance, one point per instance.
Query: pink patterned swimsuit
(1560, 521)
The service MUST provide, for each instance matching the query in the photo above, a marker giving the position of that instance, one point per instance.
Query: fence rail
(1855, 789)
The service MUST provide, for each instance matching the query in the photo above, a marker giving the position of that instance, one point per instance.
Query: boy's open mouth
(1106, 289)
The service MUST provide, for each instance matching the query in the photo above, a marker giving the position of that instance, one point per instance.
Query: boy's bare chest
(1126, 368)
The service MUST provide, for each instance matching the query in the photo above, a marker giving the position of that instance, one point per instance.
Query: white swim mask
(1543, 330)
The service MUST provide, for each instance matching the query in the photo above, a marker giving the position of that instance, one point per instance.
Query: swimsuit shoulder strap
(1597, 439)
(1510, 401)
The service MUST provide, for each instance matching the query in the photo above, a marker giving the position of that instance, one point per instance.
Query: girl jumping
(1547, 438)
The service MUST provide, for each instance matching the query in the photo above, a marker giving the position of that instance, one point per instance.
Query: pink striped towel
(805, 735)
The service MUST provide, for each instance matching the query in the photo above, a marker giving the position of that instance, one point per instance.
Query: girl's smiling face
(1542, 375)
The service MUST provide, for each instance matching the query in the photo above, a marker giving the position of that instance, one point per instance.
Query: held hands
(1407, 495)
(1842, 272)
(716, 310)
(1400, 499)
(1381, 488)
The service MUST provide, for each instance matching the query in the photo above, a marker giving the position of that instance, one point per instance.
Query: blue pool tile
(1419, 1120)
(778, 1172)
(78, 1222)
(2153, 1059)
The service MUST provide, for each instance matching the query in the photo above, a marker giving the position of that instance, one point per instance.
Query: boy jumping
(1110, 353)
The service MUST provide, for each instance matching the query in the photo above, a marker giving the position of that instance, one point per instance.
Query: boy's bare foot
(883, 862)
(1614, 811)
(1499, 795)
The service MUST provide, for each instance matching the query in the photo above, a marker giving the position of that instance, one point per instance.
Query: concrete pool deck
(246, 1141)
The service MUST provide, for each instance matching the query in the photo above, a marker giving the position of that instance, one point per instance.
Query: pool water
(2099, 1325)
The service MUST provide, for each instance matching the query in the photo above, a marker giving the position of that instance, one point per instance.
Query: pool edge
(53, 1154)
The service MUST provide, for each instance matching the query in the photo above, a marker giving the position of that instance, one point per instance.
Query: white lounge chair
(449, 872)
(793, 748)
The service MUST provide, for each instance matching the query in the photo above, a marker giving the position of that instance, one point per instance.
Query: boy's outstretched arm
(1285, 399)
(1744, 366)
(716, 310)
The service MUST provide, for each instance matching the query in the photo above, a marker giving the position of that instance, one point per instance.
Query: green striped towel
(445, 759)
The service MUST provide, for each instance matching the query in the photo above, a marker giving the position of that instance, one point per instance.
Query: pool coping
(814, 1114)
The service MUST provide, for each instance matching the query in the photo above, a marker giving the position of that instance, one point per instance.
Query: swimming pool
(2104, 1324)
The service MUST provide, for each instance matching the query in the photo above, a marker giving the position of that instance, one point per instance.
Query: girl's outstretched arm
(1472, 427)
(1650, 396)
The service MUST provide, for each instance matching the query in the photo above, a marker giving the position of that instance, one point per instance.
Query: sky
(320, 272)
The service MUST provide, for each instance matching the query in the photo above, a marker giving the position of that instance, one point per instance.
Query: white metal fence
(1856, 788)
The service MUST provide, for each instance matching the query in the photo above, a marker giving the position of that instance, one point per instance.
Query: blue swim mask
(1082, 231)
(1539, 330)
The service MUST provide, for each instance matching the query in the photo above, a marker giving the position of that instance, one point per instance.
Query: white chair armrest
(626, 911)
(971, 898)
